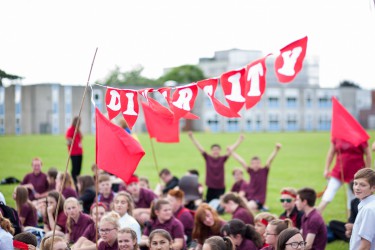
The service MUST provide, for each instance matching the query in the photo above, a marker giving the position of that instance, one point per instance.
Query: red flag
(255, 81)
(233, 84)
(117, 152)
(160, 122)
(345, 126)
(289, 62)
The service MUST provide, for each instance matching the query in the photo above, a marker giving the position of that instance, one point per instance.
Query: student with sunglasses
(287, 199)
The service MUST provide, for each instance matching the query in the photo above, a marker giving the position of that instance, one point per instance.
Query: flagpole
(342, 179)
(70, 150)
(155, 162)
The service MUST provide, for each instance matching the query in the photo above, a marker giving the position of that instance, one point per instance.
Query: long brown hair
(55, 195)
(200, 230)
(247, 231)
(68, 181)
(22, 197)
(85, 181)
(156, 206)
(6, 224)
(69, 219)
(238, 200)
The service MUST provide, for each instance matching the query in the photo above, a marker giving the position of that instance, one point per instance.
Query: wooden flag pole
(342, 179)
(70, 150)
(155, 162)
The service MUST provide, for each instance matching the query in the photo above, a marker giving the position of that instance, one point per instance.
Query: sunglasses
(286, 200)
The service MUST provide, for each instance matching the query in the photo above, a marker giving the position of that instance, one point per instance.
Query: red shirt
(215, 171)
(77, 145)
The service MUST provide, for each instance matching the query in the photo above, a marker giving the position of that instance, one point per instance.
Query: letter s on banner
(183, 100)
(129, 106)
(255, 81)
(289, 63)
(113, 102)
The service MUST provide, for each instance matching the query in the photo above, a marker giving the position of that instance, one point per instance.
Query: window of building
(308, 123)
(324, 123)
(233, 125)
(308, 102)
(273, 102)
(213, 125)
(291, 102)
(291, 123)
(273, 122)
(324, 102)
(258, 123)
(248, 125)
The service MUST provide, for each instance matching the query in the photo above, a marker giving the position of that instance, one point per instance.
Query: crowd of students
(176, 215)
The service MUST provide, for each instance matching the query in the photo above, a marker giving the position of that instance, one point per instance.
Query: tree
(349, 84)
(183, 74)
(4, 75)
(128, 78)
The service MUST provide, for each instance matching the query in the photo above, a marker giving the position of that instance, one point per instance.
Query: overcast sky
(54, 41)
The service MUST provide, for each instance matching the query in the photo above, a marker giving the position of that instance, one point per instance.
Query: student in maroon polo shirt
(215, 167)
(162, 218)
(261, 221)
(27, 212)
(235, 205)
(76, 147)
(108, 228)
(106, 194)
(313, 228)
(240, 184)
(49, 213)
(160, 239)
(273, 229)
(86, 191)
(67, 188)
(206, 223)
(184, 215)
(218, 243)
(244, 236)
(288, 201)
(36, 182)
(77, 221)
(257, 188)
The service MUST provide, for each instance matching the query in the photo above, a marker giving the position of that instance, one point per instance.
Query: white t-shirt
(6, 240)
(128, 221)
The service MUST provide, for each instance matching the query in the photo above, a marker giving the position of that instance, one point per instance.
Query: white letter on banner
(184, 99)
(253, 75)
(290, 59)
(115, 98)
(208, 90)
(130, 108)
(235, 94)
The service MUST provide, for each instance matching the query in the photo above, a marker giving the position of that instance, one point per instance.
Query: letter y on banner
(289, 63)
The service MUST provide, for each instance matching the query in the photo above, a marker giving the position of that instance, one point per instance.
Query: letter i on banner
(113, 102)
(129, 106)
(183, 100)
(233, 84)
(255, 82)
(289, 63)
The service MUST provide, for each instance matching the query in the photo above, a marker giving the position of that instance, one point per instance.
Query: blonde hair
(46, 243)
(133, 234)
(129, 200)
(6, 224)
(265, 216)
(68, 221)
(111, 217)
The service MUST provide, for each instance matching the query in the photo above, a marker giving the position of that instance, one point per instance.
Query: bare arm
(233, 147)
(309, 240)
(196, 142)
(273, 155)
(178, 244)
(144, 241)
(364, 245)
(330, 155)
(238, 158)
(368, 157)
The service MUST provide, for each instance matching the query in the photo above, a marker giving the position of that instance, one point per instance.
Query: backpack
(12, 215)
(184, 209)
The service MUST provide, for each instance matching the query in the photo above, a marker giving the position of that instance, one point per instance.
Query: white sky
(54, 41)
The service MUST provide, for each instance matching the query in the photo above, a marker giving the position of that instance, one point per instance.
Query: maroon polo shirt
(146, 197)
(313, 223)
(78, 228)
(187, 220)
(39, 182)
(246, 245)
(257, 188)
(105, 246)
(107, 201)
(90, 234)
(30, 215)
(239, 186)
(69, 192)
(61, 221)
(244, 215)
(215, 171)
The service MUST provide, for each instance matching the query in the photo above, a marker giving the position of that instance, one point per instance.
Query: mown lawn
(299, 164)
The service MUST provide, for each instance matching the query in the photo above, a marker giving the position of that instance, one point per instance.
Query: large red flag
(117, 152)
(160, 122)
(345, 126)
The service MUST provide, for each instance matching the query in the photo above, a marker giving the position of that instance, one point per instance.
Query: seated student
(239, 184)
(184, 215)
(192, 189)
(257, 188)
(290, 239)
(288, 201)
(313, 228)
(67, 188)
(123, 204)
(51, 178)
(273, 230)
(49, 213)
(144, 182)
(244, 236)
(27, 212)
(90, 235)
(58, 243)
(108, 228)
(206, 223)
(170, 181)
(105, 190)
(36, 181)
(6, 233)
(127, 239)
(261, 222)
(142, 199)
(77, 221)
(162, 218)
(86, 191)
(363, 234)
(160, 239)
(235, 205)
(24, 240)
(218, 243)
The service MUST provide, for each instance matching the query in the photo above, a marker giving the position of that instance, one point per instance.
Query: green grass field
(299, 163)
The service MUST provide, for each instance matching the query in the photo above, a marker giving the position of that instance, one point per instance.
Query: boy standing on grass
(257, 188)
(215, 167)
(313, 228)
(363, 234)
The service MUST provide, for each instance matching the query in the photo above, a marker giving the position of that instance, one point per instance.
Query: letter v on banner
(289, 63)
(183, 100)
(129, 106)
(233, 85)
(113, 102)
(255, 81)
